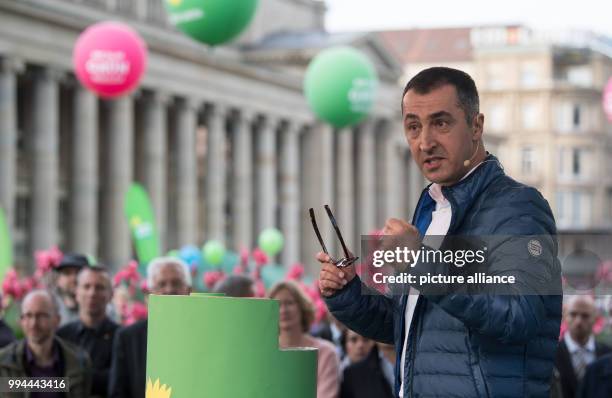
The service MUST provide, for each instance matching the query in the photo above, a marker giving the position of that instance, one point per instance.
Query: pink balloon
(607, 100)
(109, 58)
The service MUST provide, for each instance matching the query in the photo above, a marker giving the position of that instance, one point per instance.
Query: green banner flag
(141, 219)
(6, 248)
(211, 346)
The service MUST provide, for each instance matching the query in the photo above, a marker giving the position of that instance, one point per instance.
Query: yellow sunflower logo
(157, 391)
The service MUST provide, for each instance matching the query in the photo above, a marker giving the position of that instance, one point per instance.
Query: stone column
(242, 188)
(44, 157)
(265, 164)
(317, 190)
(290, 193)
(155, 146)
(215, 174)
(84, 175)
(344, 210)
(8, 136)
(393, 182)
(366, 177)
(116, 242)
(186, 172)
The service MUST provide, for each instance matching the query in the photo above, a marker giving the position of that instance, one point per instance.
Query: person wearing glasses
(501, 342)
(42, 353)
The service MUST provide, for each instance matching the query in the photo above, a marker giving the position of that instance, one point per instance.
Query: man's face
(580, 316)
(357, 346)
(93, 292)
(67, 280)
(169, 281)
(438, 134)
(38, 319)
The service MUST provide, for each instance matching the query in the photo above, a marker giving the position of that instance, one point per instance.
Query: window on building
(497, 117)
(496, 78)
(576, 161)
(530, 115)
(529, 75)
(561, 162)
(576, 116)
(574, 209)
(560, 206)
(527, 160)
(580, 75)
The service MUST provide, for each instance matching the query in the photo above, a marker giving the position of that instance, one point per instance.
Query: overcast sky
(351, 15)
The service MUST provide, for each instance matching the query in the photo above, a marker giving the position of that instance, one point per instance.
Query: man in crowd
(165, 276)
(372, 376)
(41, 353)
(578, 349)
(501, 343)
(65, 286)
(597, 381)
(93, 331)
(356, 346)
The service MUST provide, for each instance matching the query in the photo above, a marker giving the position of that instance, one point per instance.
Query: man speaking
(457, 344)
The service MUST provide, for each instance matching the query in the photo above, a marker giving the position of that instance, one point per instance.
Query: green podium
(206, 346)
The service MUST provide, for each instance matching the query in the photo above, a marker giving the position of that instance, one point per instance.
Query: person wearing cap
(65, 286)
(93, 332)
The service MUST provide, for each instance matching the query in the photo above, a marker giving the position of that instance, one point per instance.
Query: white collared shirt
(440, 222)
(588, 350)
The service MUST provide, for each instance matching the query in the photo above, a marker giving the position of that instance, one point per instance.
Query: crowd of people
(70, 330)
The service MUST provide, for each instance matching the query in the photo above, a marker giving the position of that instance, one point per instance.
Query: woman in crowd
(296, 316)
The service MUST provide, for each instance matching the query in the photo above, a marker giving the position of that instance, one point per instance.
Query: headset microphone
(468, 162)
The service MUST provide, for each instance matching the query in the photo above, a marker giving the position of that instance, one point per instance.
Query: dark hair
(235, 286)
(432, 78)
(97, 269)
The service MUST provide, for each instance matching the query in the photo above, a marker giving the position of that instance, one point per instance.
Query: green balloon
(340, 86)
(173, 254)
(211, 21)
(271, 241)
(213, 252)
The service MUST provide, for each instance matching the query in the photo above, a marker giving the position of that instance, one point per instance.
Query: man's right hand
(332, 278)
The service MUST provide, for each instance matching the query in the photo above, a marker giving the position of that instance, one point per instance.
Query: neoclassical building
(221, 138)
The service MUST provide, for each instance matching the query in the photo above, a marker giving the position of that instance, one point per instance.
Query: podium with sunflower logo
(213, 346)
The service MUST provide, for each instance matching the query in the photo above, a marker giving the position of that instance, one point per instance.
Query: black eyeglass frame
(347, 260)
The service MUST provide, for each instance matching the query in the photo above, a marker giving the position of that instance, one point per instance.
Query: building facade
(541, 94)
(222, 139)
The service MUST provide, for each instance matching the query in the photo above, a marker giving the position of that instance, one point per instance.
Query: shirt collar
(29, 355)
(573, 346)
(98, 330)
(435, 190)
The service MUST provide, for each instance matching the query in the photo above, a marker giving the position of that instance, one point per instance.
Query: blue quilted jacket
(492, 344)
